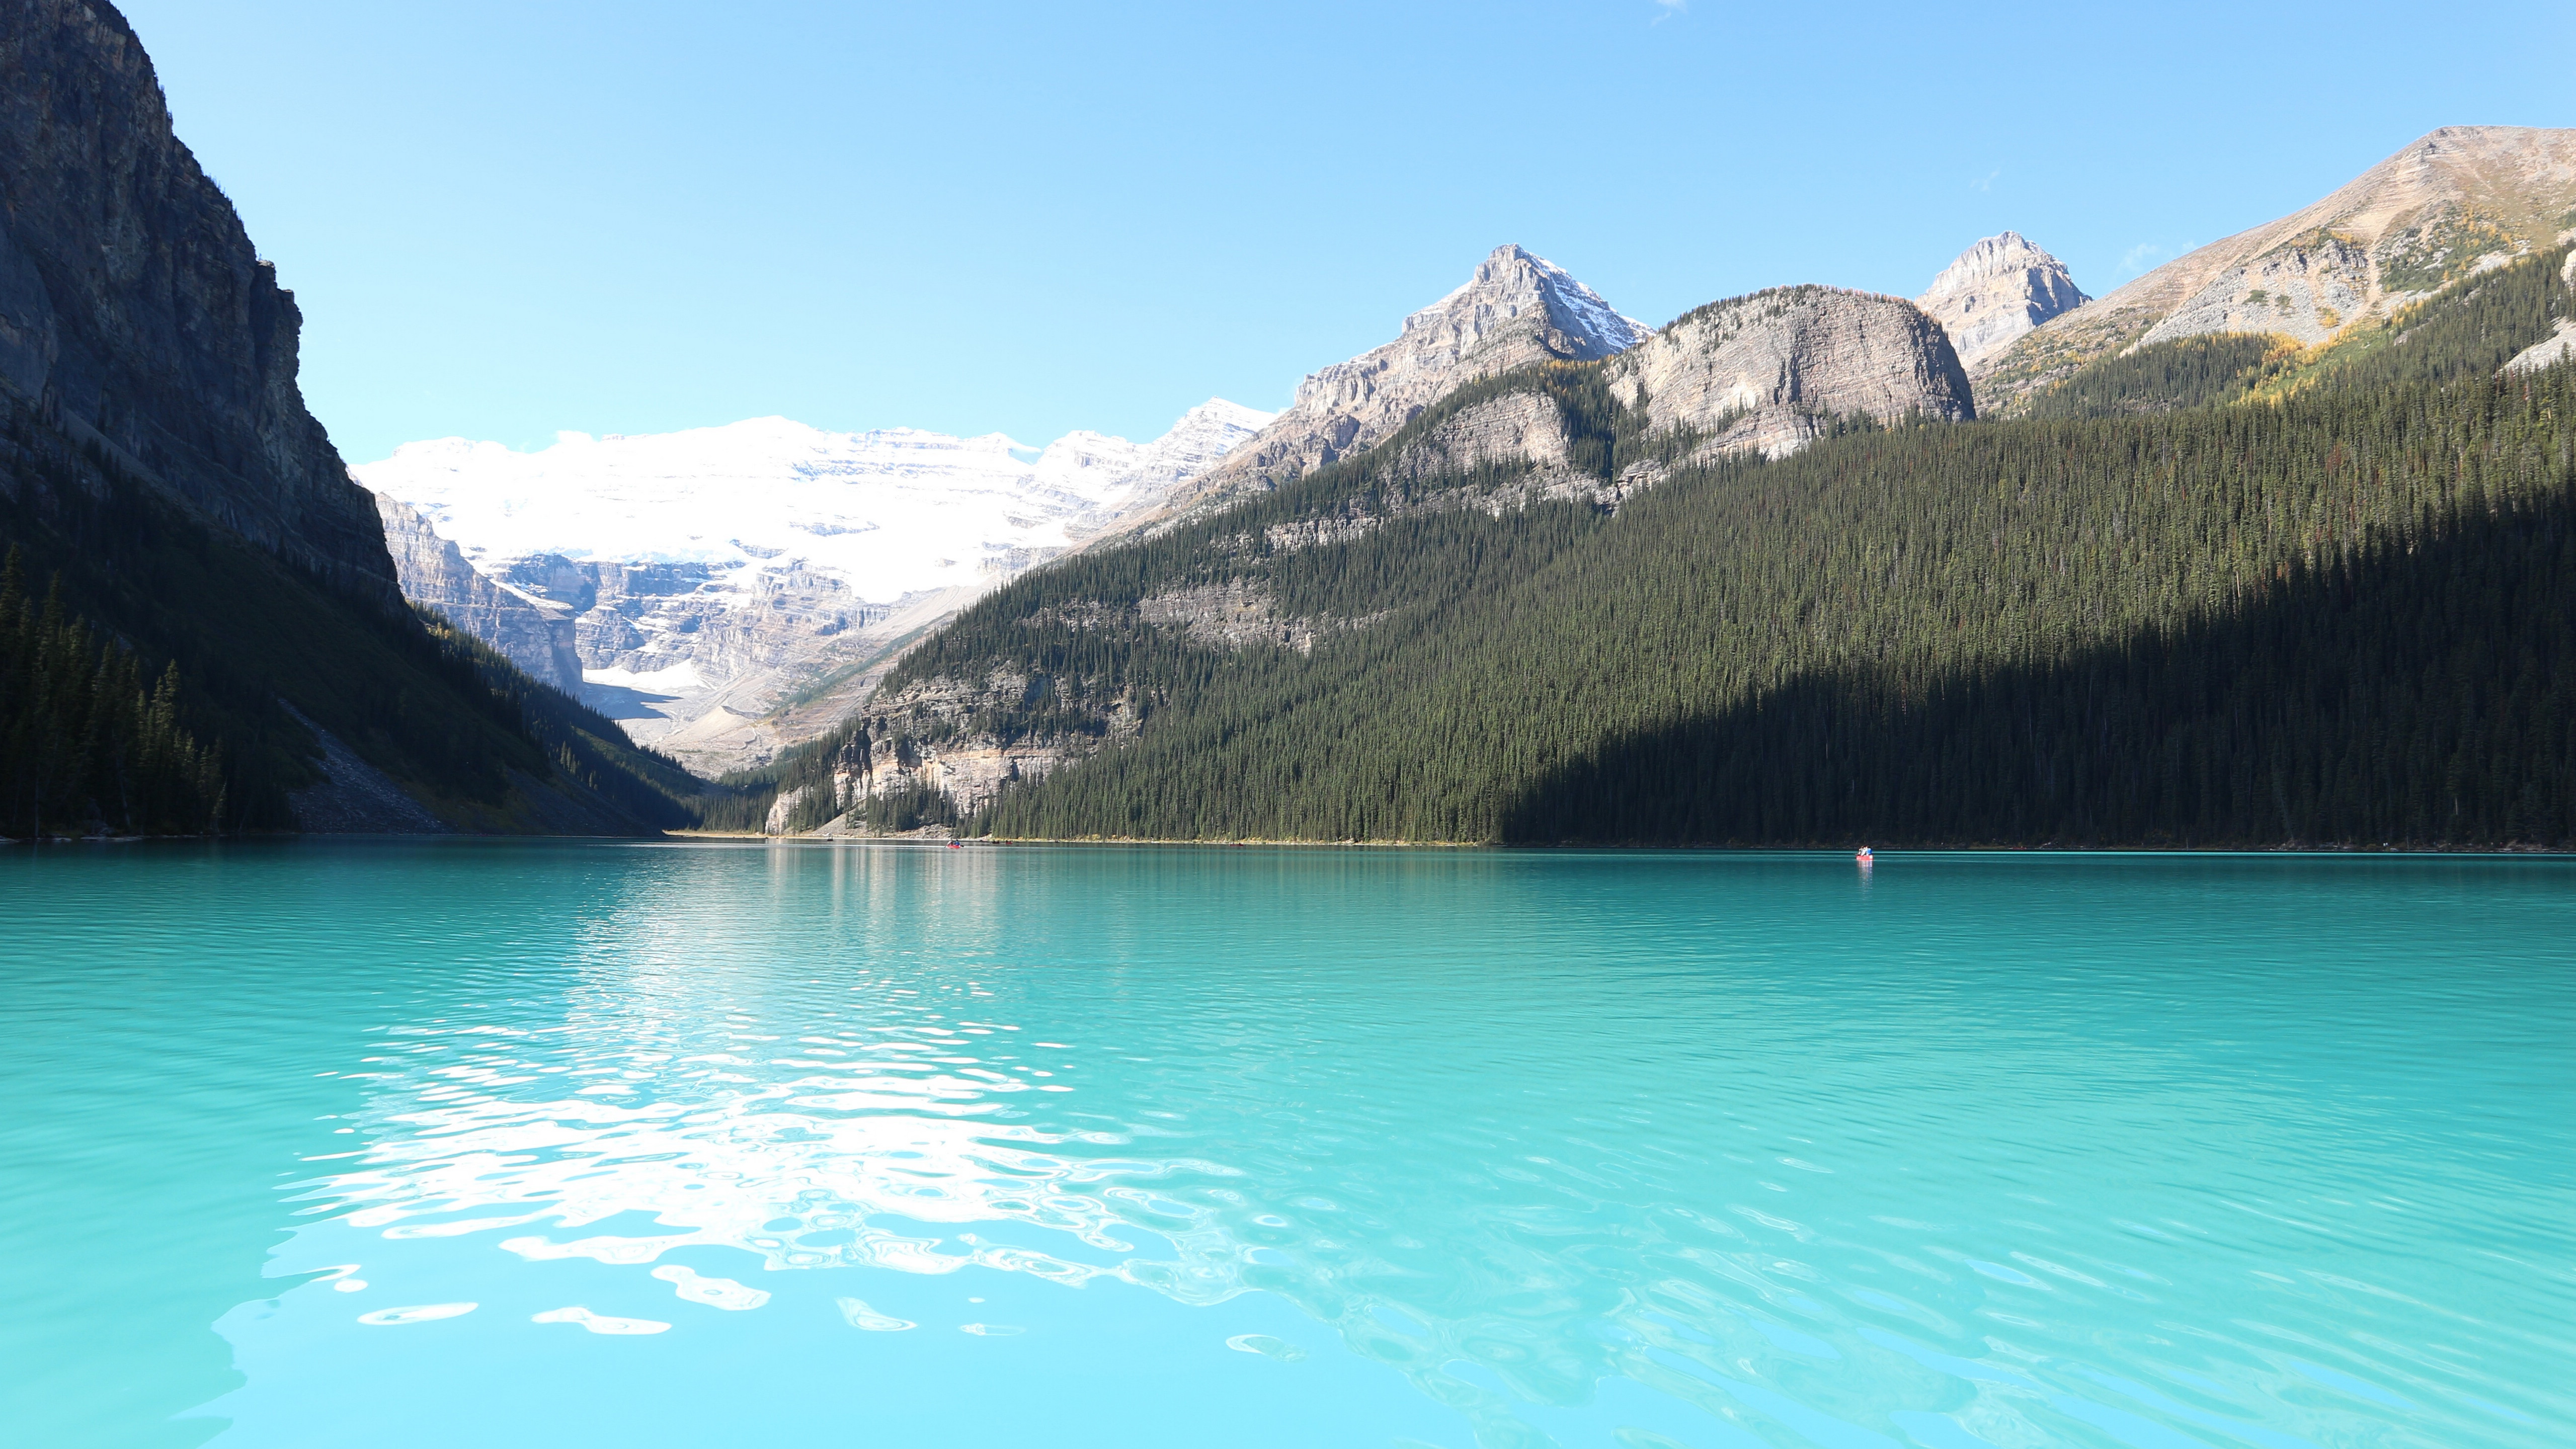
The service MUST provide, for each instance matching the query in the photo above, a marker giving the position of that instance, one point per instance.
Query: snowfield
(709, 575)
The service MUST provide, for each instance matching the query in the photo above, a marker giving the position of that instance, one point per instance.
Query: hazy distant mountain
(1998, 289)
(2460, 199)
(708, 576)
(1517, 309)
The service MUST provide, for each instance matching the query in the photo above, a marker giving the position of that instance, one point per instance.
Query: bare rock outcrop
(1998, 289)
(1517, 309)
(1770, 371)
(1515, 430)
(134, 312)
(922, 739)
(537, 634)
(2453, 202)
(2303, 289)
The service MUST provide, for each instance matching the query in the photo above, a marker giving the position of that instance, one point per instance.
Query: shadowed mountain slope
(158, 468)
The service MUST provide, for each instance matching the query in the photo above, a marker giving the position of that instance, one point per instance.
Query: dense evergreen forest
(83, 737)
(127, 586)
(2222, 592)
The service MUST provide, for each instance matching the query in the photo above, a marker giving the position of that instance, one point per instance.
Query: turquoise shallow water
(535, 1144)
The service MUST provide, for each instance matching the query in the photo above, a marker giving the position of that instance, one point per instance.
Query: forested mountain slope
(2331, 607)
(2453, 203)
(201, 582)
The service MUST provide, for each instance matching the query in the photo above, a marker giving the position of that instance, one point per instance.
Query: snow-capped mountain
(714, 573)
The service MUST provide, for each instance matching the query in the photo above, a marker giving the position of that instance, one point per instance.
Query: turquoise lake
(500, 1144)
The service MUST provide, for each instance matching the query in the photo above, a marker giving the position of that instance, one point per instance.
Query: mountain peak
(1515, 309)
(2447, 205)
(1999, 288)
(1515, 285)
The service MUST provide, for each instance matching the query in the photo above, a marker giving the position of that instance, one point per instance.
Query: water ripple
(1697, 1151)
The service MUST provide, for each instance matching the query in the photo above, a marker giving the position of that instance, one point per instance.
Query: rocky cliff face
(1517, 309)
(536, 633)
(885, 754)
(2457, 200)
(156, 458)
(1770, 371)
(1997, 290)
(133, 311)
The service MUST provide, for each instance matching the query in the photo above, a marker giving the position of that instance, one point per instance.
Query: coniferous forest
(84, 736)
(2224, 592)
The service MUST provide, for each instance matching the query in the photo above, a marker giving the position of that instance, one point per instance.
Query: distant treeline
(2216, 593)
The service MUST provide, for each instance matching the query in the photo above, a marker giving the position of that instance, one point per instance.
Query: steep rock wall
(1770, 371)
(919, 741)
(134, 312)
(537, 634)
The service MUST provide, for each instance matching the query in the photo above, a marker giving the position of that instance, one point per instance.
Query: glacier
(719, 579)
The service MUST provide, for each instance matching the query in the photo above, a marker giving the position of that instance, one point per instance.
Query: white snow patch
(887, 513)
(680, 678)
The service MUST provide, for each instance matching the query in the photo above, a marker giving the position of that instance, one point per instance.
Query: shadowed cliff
(164, 487)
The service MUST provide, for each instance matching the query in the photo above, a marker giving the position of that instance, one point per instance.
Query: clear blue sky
(508, 217)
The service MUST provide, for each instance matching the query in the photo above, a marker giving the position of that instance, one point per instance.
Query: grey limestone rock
(2452, 202)
(1517, 309)
(1770, 371)
(536, 633)
(1995, 291)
